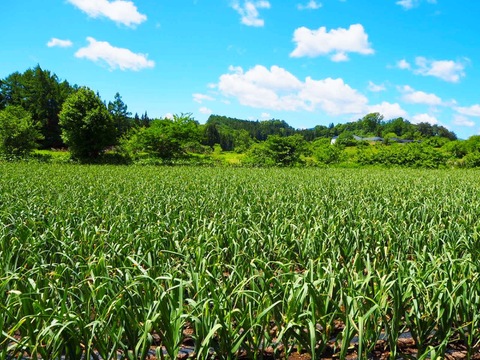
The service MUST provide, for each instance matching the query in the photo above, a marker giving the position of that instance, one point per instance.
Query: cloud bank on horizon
(307, 62)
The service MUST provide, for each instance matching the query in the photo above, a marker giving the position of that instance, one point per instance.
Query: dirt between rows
(406, 349)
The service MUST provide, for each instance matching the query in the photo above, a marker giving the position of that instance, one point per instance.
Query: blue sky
(308, 62)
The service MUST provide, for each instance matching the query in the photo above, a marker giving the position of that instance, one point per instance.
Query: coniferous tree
(120, 114)
(42, 95)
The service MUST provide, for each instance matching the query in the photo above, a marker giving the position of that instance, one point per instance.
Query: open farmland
(107, 262)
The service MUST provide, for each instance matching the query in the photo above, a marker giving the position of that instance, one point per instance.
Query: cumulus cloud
(388, 110)
(403, 64)
(120, 11)
(200, 98)
(205, 110)
(116, 58)
(376, 88)
(311, 5)
(54, 42)
(473, 110)
(424, 118)
(265, 116)
(410, 4)
(447, 70)
(277, 89)
(461, 120)
(336, 42)
(419, 97)
(249, 13)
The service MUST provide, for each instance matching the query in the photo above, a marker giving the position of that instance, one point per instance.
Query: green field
(250, 263)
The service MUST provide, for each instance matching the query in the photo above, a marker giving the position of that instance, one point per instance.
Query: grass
(105, 260)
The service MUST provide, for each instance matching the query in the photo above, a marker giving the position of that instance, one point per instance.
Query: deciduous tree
(87, 126)
(18, 132)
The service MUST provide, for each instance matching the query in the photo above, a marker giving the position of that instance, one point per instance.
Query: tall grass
(111, 262)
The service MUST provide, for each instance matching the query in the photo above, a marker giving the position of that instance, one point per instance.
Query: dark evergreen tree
(120, 115)
(145, 120)
(42, 95)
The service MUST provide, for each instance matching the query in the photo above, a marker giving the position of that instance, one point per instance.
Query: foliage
(42, 94)
(87, 126)
(325, 153)
(409, 155)
(277, 150)
(120, 115)
(258, 130)
(371, 123)
(472, 160)
(457, 148)
(18, 132)
(166, 138)
(346, 139)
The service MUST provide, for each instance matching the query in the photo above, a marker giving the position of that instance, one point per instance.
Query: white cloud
(205, 110)
(266, 116)
(115, 57)
(424, 118)
(199, 98)
(473, 110)
(403, 64)
(311, 5)
(339, 57)
(410, 4)
(277, 89)
(388, 110)
(249, 11)
(419, 97)
(121, 11)
(447, 70)
(59, 43)
(338, 42)
(376, 88)
(332, 96)
(168, 116)
(461, 120)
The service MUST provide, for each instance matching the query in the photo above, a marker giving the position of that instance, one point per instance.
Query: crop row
(104, 261)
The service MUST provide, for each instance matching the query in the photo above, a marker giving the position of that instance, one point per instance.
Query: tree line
(38, 110)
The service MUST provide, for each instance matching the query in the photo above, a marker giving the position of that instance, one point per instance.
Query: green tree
(211, 134)
(371, 123)
(326, 153)
(42, 95)
(166, 138)
(87, 126)
(120, 115)
(18, 132)
(278, 150)
(457, 148)
(399, 126)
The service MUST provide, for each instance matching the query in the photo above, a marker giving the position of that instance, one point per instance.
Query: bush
(408, 155)
(18, 132)
(472, 160)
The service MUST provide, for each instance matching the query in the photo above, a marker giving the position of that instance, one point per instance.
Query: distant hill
(226, 131)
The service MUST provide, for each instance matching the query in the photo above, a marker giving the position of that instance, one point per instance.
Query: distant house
(358, 138)
(402, 141)
(374, 138)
